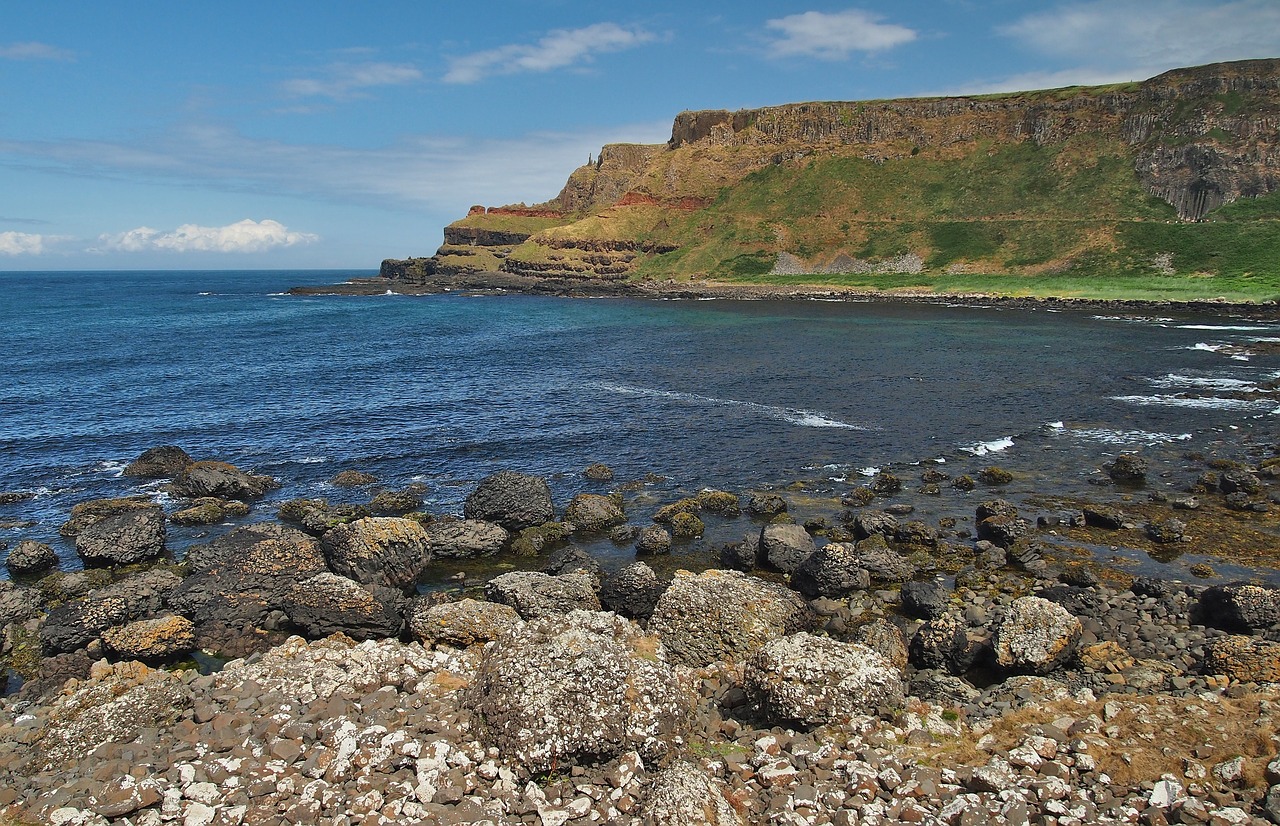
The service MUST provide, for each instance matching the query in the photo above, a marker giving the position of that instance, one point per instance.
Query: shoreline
(504, 283)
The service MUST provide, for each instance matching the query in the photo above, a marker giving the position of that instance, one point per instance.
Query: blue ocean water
(446, 389)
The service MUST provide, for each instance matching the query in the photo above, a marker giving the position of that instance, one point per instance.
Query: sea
(809, 398)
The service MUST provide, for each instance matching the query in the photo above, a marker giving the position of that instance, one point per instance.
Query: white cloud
(242, 236)
(1149, 36)
(835, 36)
(559, 48)
(21, 243)
(342, 81)
(34, 51)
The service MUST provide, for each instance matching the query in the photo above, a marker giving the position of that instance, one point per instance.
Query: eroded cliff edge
(1176, 174)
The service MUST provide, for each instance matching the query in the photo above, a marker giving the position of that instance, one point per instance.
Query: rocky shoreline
(497, 283)
(868, 669)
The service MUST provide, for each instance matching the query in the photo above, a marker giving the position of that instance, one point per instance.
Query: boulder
(1106, 518)
(17, 604)
(1127, 468)
(598, 473)
(580, 688)
(724, 615)
(513, 500)
(317, 516)
(885, 484)
(814, 681)
(916, 532)
(632, 592)
(13, 497)
(653, 539)
(766, 504)
(1035, 636)
(683, 795)
(30, 557)
(534, 594)
(85, 514)
(157, 638)
(222, 480)
(124, 538)
(995, 507)
(995, 476)
(394, 503)
(925, 600)
(352, 479)
(942, 643)
(593, 513)
(379, 550)
(1238, 480)
(1003, 530)
(834, 570)
(463, 539)
(72, 625)
(741, 556)
(327, 603)
(164, 462)
(784, 547)
(687, 526)
(541, 538)
(884, 638)
(719, 501)
(1247, 659)
(240, 577)
(874, 523)
(1166, 531)
(460, 624)
(1240, 606)
(668, 512)
(209, 511)
(570, 559)
(883, 564)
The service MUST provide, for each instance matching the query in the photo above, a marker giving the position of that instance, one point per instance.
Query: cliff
(1175, 174)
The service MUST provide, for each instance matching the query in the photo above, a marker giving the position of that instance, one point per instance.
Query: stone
(209, 511)
(884, 638)
(598, 473)
(766, 504)
(834, 570)
(925, 600)
(222, 480)
(687, 526)
(874, 523)
(17, 604)
(378, 550)
(1099, 517)
(813, 681)
(593, 513)
(164, 462)
(784, 547)
(76, 623)
(1166, 531)
(394, 503)
(534, 594)
(1240, 606)
(653, 539)
(724, 615)
(719, 502)
(1243, 658)
(683, 795)
(582, 687)
(327, 603)
(541, 538)
(460, 624)
(1127, 468)
(465, 539)
(513, 500)
(942, 643)
(29, 557)
(1003, 530)
(156, 638)
(632, 591)
(353, 479)
(84, 514)
(123, 538)
(884, 565)
(1035, 636)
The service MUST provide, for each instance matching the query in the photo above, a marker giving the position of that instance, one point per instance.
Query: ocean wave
(868, 471)
(1200, 403)
(1178, 381)
(792, 415)
(993, 446)
(1242, 328)
(1211, 348)
(1135, 319)
(1126, 437)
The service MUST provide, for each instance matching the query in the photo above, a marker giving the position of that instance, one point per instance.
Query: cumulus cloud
(1149, 36)
(342, 81)
(835, 36)
(242, 236)
(21, 243)
(34, 51)
(559, 48)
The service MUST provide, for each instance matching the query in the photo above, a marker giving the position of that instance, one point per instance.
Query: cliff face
(1195, 139)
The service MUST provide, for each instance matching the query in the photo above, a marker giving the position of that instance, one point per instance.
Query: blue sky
(137, 135)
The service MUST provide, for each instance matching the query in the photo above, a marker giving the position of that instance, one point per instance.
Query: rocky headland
(1172, 176)
(867, 667)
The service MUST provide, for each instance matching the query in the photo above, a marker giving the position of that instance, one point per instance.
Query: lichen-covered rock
(653, 539)
(463, 539)
(164, 462)
(327, 603)
(942, 643)
(831, 571)
(1238, 480)
(539, 539)
(724, 615)
(353, 479)
(885, 484)
(85, 514)
(1035, 636)
(593, 513)
(632, 592)
(719, 501)
(1127, 467)
(584, 687)
(1247, 659)
(30, 557)
(74, 624)
(814, 681)
(380, 550)
(687, 526)
(766, 504)
(534, 594)
(784, 547)
(683, 795)
(1240, 606)
(874, 523)
(151, 639)
(884, 638)
(317, 516)
(123, 538)
(394, 503)
(916, 532)
(598, 473)
(513, 500)
(884, 565)
(222, 480)
(995, 476)
(667, 512)
(209, 511)
(459, 624)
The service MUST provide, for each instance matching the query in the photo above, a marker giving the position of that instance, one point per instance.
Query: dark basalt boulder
(381, 550)
(1237, 480)
(353, 479)
(30, 557)
(943, 643)
(460, 539)
(1003, 530)
(164, 462)
(534, 594)
(593, 513)
(513, 500)
(784, 547)
(220, 479)
(766, 504)
(17, 603)
(317, 516)
(741, 556)
(1106, 518)
(653, 539)
(394, 502)
(598, 473)
(874, 523)
(327, 604)
(73, 625)
(1240, 607)
(85, 514)
(1127, 468)
(834, 570)
(883, 564)
(632, 592)
(123, 538)
(925, 600)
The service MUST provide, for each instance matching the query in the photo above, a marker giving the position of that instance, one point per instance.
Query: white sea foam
(1203, 345)
(1243, 328)
(868, 471)
(993, 446)
(1202, 403)
(1134, 319)
(115, 468)
(311, 460)
(204, 293)
(277, 295)
(1176, 381)
(1127, 437)
(1056, 426)
(796, 416)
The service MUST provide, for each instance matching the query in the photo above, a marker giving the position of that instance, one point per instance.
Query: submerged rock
(220, 479)
(513, 500)
(164, 462)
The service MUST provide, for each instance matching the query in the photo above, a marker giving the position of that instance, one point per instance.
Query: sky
(326, 134)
